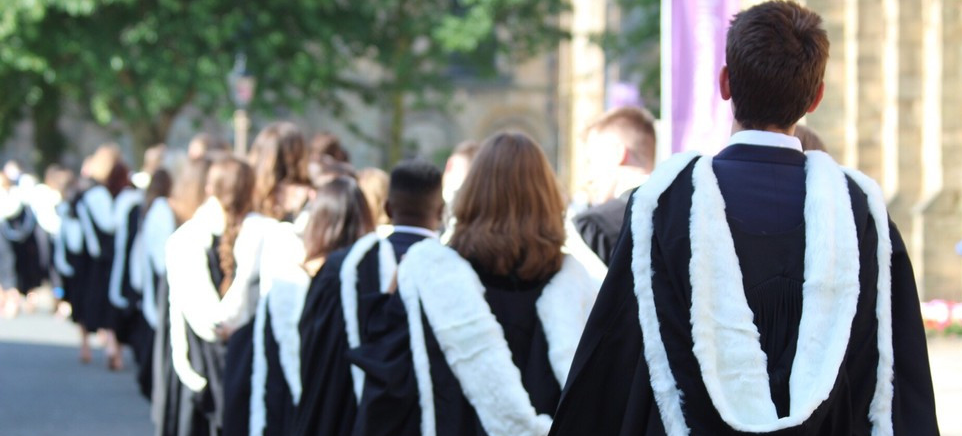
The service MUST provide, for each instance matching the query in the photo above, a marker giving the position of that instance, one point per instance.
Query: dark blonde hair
(231, 182)
(278, 156)
(339, 216)
(374, 184)
(189, 188)
(509, 211)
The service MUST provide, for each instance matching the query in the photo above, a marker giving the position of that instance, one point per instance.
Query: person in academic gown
(213, 272)
(480, 335)
(128, 321)
(343, 295)
(622, 144)
(187, 194)
(94, 210)
(338, 216)
(278, 157)
(18, 226)
(762, 291)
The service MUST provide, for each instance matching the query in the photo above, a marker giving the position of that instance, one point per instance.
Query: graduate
(292, 256)
(170, 399)
(351, 286)
(762, 291)
(484, 330)
(129, 323)
(26, 239)
(213, 272)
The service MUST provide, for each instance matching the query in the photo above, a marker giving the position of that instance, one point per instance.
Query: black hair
(414, 188)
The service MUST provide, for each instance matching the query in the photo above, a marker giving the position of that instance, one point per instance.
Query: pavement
(46, 391)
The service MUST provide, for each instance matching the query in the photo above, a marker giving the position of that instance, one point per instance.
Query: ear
(440, 212)
(818, 97)
(387, 209)
(624, 155)
(726, 92)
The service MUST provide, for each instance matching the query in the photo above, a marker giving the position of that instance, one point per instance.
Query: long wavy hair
(279, 157)
(509, 211)
(231, 182)
(189, 189)
(339, 215)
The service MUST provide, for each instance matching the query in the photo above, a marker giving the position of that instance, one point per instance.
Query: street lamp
(242, 85)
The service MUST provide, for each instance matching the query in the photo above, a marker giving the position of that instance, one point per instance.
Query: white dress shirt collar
(765, 138)
(415, 231)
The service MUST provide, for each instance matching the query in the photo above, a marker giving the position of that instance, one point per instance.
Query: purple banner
(700, 119)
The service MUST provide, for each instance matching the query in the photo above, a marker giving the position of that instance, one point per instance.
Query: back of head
(634, 128)
(509, 211)
(414, 194)
(154, 158)
(160, 185)
(776, 54)
(231, 181)
(327, 144)
(338, 216)
(101, 165)
(809, 139)
(279, 156)
(374, 184)
(189, 189)
(204, 144)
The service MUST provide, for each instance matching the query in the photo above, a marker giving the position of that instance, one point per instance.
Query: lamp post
(242, 85)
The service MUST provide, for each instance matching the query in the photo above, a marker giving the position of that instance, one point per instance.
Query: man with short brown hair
(761, 291)
(621, 155)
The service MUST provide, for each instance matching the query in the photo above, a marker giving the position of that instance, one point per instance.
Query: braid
(225, 249)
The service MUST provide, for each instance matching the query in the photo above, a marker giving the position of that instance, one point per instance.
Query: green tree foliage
(139, 62)
(634, 42)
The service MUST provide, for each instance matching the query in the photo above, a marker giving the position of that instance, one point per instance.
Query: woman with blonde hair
(501, 307)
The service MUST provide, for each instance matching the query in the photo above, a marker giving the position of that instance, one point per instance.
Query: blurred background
(396, 78)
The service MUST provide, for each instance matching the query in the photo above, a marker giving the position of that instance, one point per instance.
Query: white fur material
(667, 394)
(436, 279)
(726, 340)
(284, 286)
(100, 204)
(60, 262)
(126, 201)
(70, 229)
(91, 242)
(880, 412)
(348, 275)
(386, 264)
(23, 231)
(193, 296)
(563, 309)
(159, 223)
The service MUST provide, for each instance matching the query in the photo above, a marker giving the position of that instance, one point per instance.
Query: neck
(628, 178)
(413, 222)
(737, 127)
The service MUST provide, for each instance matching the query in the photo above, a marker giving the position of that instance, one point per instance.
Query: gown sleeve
(913, 405)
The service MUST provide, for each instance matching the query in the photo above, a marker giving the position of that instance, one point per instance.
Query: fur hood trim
(435, 279)
(387, 265)
(123, 205)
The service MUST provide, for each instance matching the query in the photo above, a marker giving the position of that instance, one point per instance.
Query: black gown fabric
(390, 401)
(29, 265)
(609, 392)
(328, 403)
(600, 226)
(73, 286)
(188, 413)
(97, 312)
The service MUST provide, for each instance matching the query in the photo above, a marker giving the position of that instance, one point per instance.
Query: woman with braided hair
(213, 273)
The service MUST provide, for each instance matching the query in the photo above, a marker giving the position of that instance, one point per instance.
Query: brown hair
(106, 167)
(636, 127)
(809, 139)
(374, 184)
(203, 144)
(327, 144)
(510, 213)
(231, 182)
(278, 157)
(776, 54)
(339, 216)
(160, 186)
(189, 189)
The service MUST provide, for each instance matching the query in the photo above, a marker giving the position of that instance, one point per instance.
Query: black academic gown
(98, 313)
(28, 262)
(328, 403)
(600, 226)
(609, 390)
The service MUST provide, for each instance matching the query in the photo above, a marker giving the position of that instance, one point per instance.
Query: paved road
(44, 390)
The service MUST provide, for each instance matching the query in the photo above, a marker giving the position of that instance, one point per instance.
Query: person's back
(760, 291)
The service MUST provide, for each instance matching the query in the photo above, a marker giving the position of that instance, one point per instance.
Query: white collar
(415, 231)
(766, 138)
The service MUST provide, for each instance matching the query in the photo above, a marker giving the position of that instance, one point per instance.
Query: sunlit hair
(189, 189)
(809, 139)
(231, 182)
(327, 144)
(279, 157)
(106, 167)
(160, 186)
(338, 216)
(374, 183)
(509, 211)
(635, 127)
